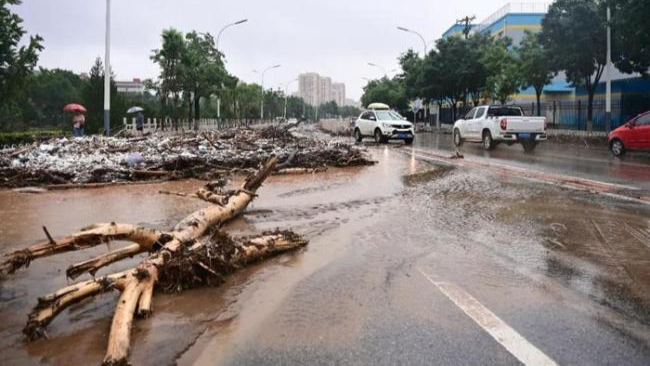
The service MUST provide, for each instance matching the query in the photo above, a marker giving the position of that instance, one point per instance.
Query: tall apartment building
(325, 90)
(309, 88)
(316, 90)
(338, 93)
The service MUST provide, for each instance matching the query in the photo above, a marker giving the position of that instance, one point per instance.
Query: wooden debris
(194, 253)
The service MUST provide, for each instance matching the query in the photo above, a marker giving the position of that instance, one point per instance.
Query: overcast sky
(335, 38)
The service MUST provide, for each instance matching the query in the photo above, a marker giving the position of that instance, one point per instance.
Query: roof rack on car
(378, 106)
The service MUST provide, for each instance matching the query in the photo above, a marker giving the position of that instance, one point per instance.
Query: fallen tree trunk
(193, 254)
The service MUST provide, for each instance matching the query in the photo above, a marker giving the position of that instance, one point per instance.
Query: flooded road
(408, 262)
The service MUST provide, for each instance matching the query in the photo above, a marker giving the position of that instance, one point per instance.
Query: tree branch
(87, 238)
(93, 265)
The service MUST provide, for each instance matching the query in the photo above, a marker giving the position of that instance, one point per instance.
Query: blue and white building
(630, 92)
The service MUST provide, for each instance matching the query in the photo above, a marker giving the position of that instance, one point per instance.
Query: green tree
(388, 91)
(572, 31)
(296, 107)
(328, 109)
(449, 72)
(203, 70)
(16, 63)
(411, 75)
(535, 63)
(476, 72)
(247, 100)
(349, 111)
(46, 93)
(431, 79)
(631, 35)
(273, 104)
(504, 78)
(170, 58)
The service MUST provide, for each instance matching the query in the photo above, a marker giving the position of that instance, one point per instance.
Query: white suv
(383, 125)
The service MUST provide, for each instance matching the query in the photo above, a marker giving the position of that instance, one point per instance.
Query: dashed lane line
(509, 338)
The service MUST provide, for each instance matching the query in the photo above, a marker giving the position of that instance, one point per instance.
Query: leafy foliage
(504, 78)
(571, 32)
(46, 92)
(535, 64)
(388, 91)
(631, 35)
(169, 58)
(16, 63)
(411, 76)
(202, 70)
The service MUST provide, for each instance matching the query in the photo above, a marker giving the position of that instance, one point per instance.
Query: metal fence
(573, 115)
(169, 124)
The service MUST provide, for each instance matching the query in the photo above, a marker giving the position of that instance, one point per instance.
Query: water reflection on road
(587, 161)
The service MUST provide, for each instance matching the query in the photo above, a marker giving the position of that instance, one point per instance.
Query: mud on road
(568, 270)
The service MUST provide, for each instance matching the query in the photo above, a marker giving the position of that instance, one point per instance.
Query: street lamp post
(419, 35)
(379, 67)
(424, 43)
(228, 26)
(286, 96)
(217, 46)
(262, 101)
(107, 72)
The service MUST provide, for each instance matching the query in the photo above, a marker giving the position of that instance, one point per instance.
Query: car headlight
(385, 125)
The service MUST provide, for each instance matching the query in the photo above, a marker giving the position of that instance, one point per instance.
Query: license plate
(403, 135)
(524, 135)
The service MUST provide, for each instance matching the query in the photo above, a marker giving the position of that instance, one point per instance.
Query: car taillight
(504, 124)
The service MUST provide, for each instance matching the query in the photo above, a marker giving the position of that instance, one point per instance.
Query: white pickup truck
(493, 124)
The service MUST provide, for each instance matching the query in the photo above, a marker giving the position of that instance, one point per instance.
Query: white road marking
(517, 345)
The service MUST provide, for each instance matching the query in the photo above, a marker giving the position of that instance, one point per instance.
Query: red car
(633, 135)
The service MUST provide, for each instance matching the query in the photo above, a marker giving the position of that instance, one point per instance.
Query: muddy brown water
(369, 228)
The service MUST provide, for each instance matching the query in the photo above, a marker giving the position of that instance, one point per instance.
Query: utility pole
(107, 72)
(608, 74)
(466, 21)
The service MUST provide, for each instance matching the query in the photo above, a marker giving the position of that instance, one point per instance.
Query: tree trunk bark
(182, 258)
(590, 109)
(197, 110)
(538, 92)
(454, 113)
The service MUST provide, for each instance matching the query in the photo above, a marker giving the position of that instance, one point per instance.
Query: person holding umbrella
(139, 119)
(78, 120)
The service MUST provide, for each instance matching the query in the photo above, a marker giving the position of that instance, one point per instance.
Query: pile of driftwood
(194, 253)
(207, 155)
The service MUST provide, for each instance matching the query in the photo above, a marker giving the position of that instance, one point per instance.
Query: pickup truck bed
(493, 124)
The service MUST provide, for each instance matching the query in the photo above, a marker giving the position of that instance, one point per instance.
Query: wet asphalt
(580, 158)
(568, 271)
